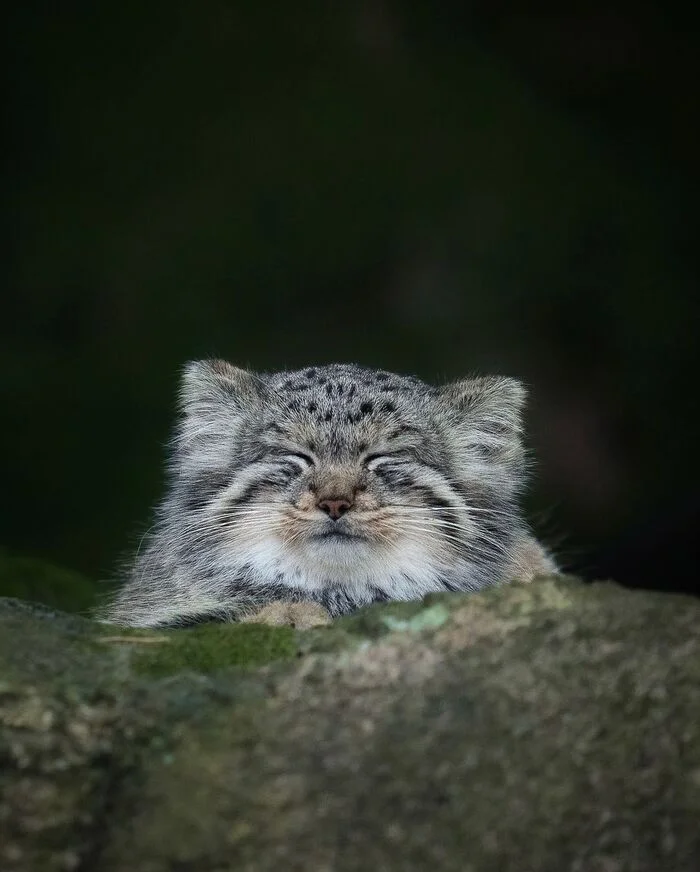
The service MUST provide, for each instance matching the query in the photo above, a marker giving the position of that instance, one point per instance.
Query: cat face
(338, 472)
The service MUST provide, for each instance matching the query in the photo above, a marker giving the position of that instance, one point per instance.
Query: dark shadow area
(435, 189)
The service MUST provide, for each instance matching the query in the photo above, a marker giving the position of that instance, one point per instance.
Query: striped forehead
(321, 425)
(338, 381)
(353, 423)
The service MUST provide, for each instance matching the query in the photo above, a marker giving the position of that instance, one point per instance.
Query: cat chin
(318, 561)
(339, 551)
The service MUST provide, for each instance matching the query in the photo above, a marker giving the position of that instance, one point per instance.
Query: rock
(554, 726)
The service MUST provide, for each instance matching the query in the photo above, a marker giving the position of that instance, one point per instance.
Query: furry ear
(206, 383)
(494, 401)
(485, 427)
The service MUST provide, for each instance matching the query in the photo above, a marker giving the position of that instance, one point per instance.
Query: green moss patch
(211, 648)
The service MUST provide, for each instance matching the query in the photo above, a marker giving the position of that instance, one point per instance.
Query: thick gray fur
(434, 475)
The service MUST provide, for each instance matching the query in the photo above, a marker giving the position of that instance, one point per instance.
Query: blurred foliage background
(431, 188)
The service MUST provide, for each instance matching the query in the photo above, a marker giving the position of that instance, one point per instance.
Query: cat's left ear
(485, 423)
(494, 401)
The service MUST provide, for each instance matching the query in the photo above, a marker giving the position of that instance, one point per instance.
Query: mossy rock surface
(554, 726)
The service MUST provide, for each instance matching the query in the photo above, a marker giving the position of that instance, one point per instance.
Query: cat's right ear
(211, 383)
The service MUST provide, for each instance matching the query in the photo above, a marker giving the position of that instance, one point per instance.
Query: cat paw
(301, 616)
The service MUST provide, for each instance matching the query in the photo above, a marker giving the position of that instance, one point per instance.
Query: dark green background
(433, 188)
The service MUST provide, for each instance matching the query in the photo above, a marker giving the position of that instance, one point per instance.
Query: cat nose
(335, 508)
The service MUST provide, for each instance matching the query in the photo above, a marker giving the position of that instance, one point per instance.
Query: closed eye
(371, 461)
(304, 461)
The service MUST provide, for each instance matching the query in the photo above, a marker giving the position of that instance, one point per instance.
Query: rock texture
(548, 727)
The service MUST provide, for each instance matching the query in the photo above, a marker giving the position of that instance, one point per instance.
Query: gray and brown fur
(333, 485)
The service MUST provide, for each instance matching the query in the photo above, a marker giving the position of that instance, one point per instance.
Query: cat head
(338, 470)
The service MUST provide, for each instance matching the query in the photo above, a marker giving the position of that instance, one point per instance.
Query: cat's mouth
(337, 533)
